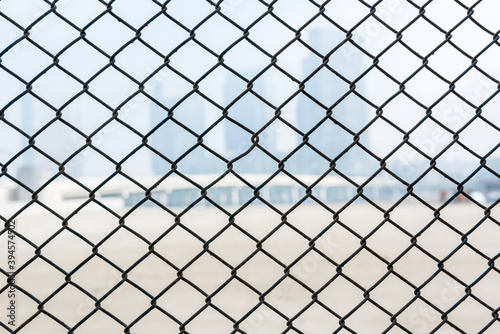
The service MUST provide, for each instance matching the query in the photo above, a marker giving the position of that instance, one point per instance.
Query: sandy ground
(187, 257)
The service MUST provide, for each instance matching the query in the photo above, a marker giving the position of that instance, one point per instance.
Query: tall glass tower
(28, 173)
(251, 113)
(172, 140)
(327, 88)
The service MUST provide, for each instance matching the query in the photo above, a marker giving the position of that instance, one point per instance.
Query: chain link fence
(249, 166)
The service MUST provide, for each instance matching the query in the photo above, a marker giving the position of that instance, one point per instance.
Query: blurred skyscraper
(253, 114)
(328, 89)
(172, 139)
(28, 173)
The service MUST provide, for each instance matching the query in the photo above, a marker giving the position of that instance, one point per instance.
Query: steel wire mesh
(359, 170)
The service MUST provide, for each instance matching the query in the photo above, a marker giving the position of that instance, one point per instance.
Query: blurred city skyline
(115, 88)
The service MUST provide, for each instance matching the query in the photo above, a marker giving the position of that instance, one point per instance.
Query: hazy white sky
(193, 61)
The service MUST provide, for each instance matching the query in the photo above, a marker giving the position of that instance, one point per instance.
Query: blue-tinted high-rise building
(28, 173)
(252, 114)
(327, 88)
(173, 138)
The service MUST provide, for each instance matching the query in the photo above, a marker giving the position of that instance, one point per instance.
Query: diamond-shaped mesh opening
(90, 162)
(178, 246)
(101, 223)
(341, 296)
(265, 87)
(369, 313)
(415, 266)
(422, 46)
(89, 121)
(471, 47)
(258, 228)
(263, 317)
(355, 268)
(282, 190)
(289, 296)
(25, 52)
(72, 244)
(116, 241)
(446, 190)
(474, 213)
(66, 305)
(138, 60)
(207, 266)
(163, 42)
(270, 35)
(59, 150)
(339, 242)
(482, 237)
(461, 259)
(387, 232)
(299, 217)
(420, 317)
(218, 25)
(249, 166)
(313, 270)
(385, 294)
(157, 321)
(424, 96)
(315, 314)
(202, 59)
(234, 290)
(233, 238)
(441, 65)
(111, 87)
(158, 221)
(136, 13)
(387, 83)
(256, 60)
(443, 292)
(285, 244)
(107, 34)
(119, 296)
(91, 275)
(250, 274)
(56, 80)
(81, 12)
(467, 310)
(335, 10)
(209, 315)
(398, 69)
(49, 279)
(55, 35)
(250, 112)
(44, 321)
(115, 134)
(100, 320)
(439, 234)
(257, 157)
(181, 300)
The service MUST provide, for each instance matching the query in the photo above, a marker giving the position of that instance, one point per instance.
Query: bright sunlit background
(115, 116)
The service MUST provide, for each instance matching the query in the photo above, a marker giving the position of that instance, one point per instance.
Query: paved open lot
(338, 242)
